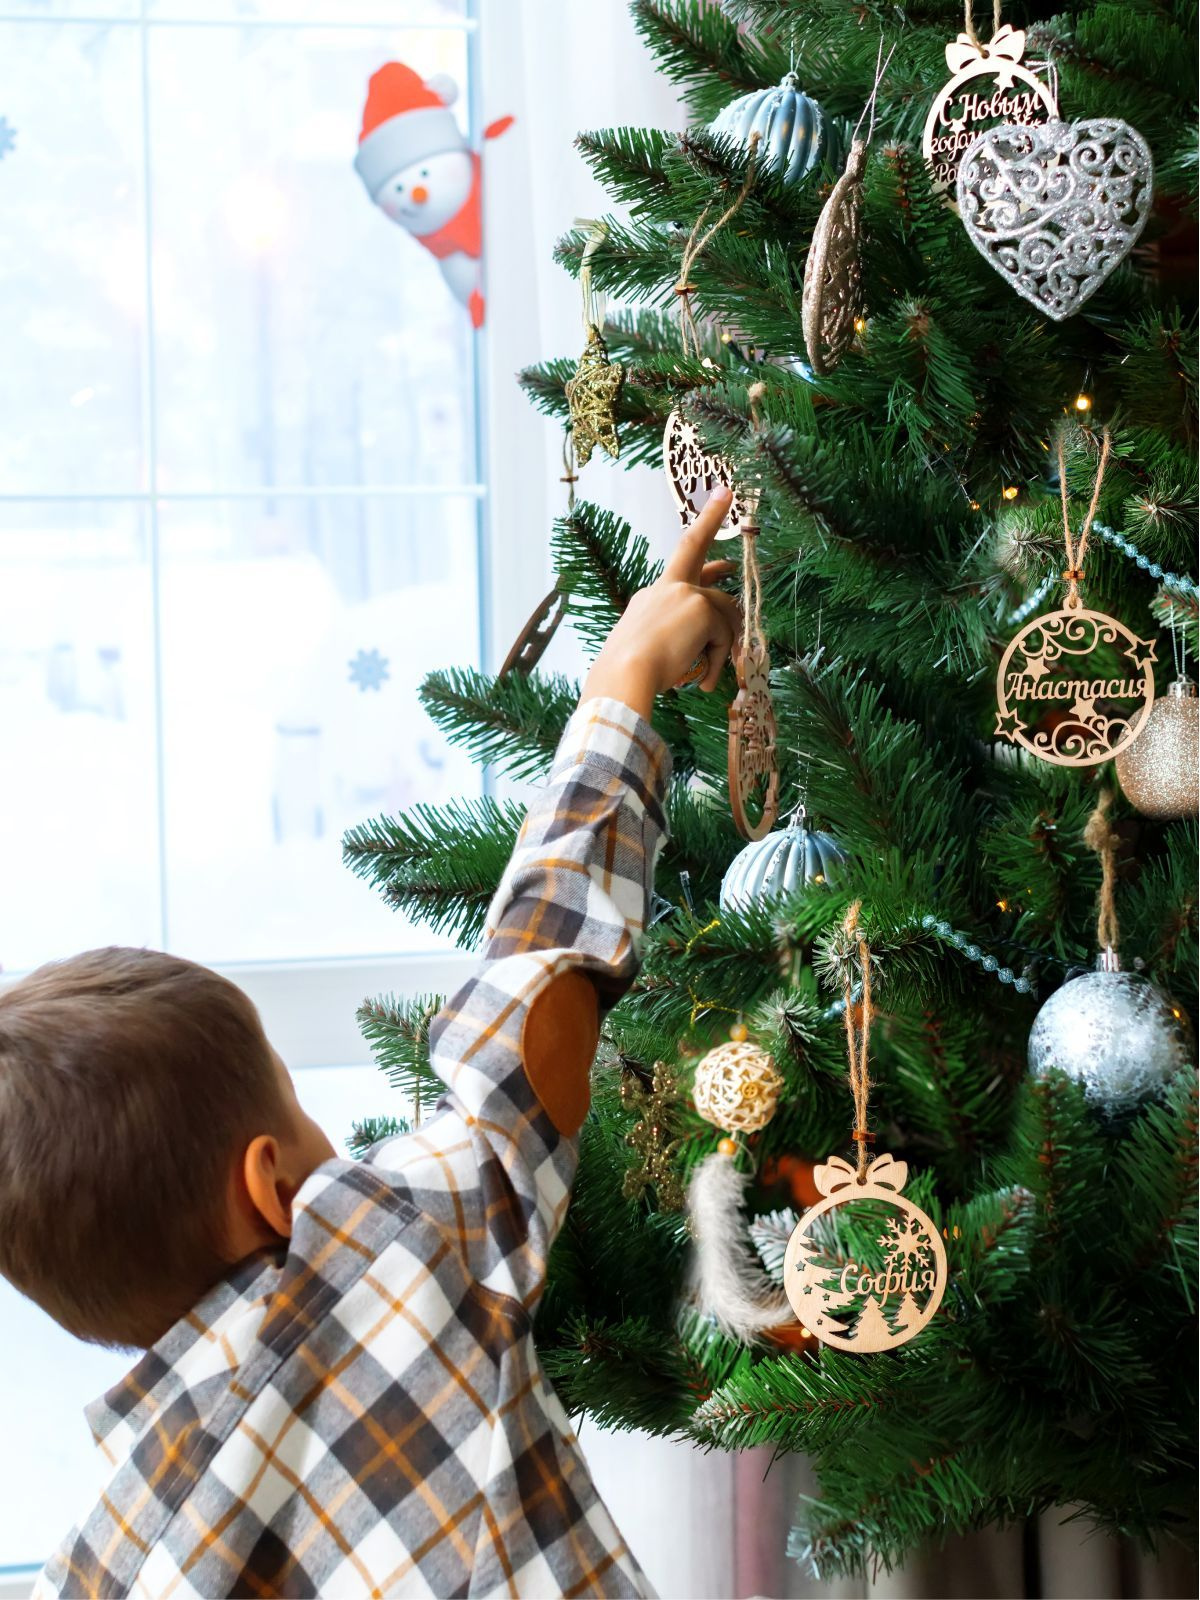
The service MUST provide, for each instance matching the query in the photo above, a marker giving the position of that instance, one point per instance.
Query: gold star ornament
(592, 398)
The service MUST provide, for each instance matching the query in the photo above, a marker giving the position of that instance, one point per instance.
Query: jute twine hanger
(858, 1037)
(1100, 835)
(969, 20)
(698, 242)
(1077, 549)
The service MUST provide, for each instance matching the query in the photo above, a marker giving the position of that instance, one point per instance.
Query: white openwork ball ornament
(737, 1087)
(1115, 1033)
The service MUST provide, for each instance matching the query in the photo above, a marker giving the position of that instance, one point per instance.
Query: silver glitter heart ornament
(1054, 207)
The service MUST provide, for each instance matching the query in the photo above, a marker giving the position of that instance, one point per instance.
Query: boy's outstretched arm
(515, 1045)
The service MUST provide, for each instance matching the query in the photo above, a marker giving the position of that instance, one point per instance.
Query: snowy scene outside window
(238, 462)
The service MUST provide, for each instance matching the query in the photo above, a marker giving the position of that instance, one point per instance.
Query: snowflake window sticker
(8, 138)
(369, 670)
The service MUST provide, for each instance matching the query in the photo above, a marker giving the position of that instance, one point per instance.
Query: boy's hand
(666, 627)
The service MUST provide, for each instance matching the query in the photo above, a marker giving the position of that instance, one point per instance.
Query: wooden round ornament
(833, 273)
(737, 1087)
(865, 1268)
(970, 103)
(1054, 702)
(694, 472)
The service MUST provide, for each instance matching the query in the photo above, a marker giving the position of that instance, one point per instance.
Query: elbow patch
(558, 1045)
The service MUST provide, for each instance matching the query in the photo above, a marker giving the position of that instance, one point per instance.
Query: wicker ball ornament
(737, 1087)
(1160, 771)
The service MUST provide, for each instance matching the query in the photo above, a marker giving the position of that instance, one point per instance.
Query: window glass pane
(73, 262)
(301, 337)
(78, 836)
(295, 633)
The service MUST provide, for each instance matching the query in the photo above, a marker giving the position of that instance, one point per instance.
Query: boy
(340, 1394)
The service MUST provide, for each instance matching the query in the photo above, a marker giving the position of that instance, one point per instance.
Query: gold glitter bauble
(737, 1087)
(1159, 772)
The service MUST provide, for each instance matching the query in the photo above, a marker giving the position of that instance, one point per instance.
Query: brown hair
(128, 1080)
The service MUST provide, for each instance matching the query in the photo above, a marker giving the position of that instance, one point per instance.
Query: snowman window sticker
(419, 170)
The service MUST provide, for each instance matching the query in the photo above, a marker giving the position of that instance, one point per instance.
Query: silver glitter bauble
(1160, 771)
(1114, 1033)
(795, 134)
(1055, 207)
(779, 863)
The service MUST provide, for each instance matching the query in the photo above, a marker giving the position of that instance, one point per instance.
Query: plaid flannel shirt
(365, 1414)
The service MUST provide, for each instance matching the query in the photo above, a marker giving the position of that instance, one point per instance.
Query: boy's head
(149, 1137)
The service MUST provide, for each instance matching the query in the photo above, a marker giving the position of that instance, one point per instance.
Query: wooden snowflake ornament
(866, 1268)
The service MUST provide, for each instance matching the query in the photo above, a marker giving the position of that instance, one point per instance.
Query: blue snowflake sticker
(8, 138)
(369, 670)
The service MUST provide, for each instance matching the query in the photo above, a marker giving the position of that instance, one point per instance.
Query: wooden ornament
(737, 1087)
(832, 299)
(970, 103)
(753, 768)
(694, 472)
(529, 646)
(1052, 702)
(865, 1268)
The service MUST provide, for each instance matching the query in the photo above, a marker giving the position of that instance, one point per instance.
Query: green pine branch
(512, 723)
(397, 1031)
(439, 865)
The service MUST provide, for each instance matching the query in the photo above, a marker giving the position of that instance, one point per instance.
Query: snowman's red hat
(405, 120)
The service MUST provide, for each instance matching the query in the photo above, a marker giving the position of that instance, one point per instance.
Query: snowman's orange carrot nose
(420, 194)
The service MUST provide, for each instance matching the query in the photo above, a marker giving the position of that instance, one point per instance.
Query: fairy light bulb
(1083, 402)
(1011, 491)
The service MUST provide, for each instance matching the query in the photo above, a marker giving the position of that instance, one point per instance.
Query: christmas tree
(911, 525)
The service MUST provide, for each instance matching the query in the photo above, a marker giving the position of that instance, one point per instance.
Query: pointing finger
(687, 562)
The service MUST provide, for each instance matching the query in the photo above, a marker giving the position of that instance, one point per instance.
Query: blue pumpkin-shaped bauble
(795, 135)
(779, 863)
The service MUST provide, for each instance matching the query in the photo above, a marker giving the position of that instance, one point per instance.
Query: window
(241, 515)
(239, 467)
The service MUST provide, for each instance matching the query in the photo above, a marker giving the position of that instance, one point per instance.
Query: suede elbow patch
(558, 1045)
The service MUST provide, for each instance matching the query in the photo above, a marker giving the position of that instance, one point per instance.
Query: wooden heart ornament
(1055, 207)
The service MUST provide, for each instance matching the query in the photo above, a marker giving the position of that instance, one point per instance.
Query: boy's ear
(266, 1186)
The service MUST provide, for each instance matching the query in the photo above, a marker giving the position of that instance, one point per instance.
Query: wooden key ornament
(753, 766)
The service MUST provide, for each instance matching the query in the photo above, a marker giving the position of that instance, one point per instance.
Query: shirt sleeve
(573, 899)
